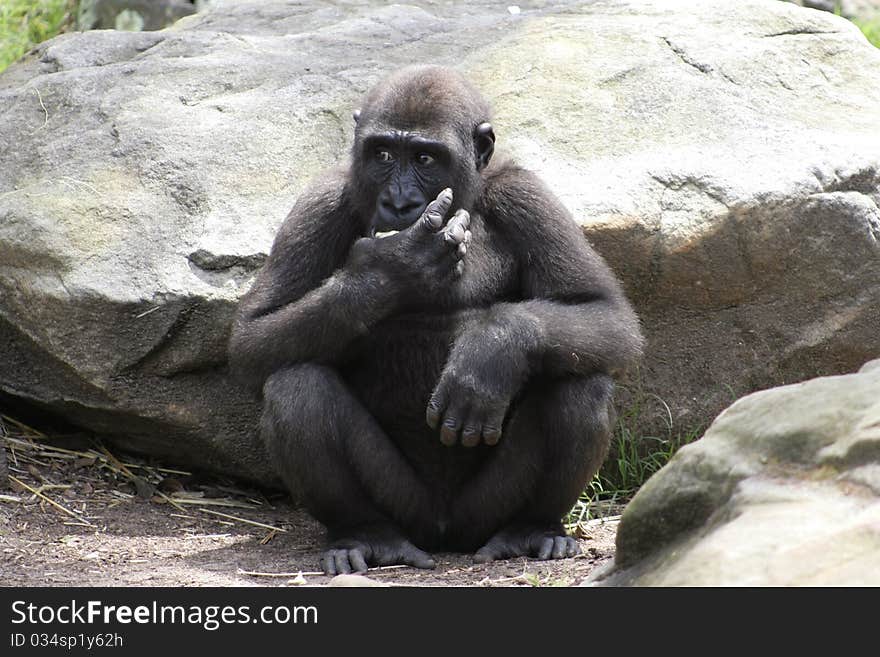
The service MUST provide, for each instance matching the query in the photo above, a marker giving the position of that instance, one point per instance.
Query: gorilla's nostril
(400, 206)
(411, 212)
(403, 211)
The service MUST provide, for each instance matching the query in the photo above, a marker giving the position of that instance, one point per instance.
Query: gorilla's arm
(574, 317)
(299, 307)
(321, 286)
(573, 320)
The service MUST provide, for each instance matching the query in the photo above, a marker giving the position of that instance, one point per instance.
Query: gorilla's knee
(301, 391)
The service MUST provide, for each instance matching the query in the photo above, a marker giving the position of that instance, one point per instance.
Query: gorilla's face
(405, 172)
(419, 132)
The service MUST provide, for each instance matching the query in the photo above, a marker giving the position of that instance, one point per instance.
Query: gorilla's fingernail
(433, 220)
(492, 437)
(448, 434)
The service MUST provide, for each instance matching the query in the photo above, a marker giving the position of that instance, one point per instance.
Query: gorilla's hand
(483, 374)
(422, 257)
(455, 236)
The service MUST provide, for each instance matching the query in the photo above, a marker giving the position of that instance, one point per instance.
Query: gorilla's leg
(555, 441)
(352, 478)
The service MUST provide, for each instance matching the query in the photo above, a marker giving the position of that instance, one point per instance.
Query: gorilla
(435, 341)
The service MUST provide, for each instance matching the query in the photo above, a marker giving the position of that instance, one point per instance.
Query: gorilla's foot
(363, 549)
(540, 542)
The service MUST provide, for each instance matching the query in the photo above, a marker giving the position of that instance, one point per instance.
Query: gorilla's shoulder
(328, 185)
(326, 194)
(513, 195)
(504, 174)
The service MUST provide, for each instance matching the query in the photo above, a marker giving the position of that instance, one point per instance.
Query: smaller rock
(783, 490)
(299, 580)
(354, 581)
(208, 261)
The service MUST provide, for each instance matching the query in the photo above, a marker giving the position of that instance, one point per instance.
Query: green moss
(871, 29)
(25, 23)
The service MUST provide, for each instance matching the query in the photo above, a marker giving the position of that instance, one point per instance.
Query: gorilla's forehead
(407, 133)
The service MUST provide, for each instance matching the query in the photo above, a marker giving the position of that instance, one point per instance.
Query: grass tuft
(871, 29)
(25, 23)
(633, 459)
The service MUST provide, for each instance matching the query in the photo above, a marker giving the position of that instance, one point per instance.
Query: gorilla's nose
(401, 211)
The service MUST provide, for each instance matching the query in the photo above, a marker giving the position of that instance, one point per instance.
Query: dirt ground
(76, 514)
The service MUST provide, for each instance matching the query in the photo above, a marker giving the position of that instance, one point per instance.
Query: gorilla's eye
(424, 159)
(383, 155)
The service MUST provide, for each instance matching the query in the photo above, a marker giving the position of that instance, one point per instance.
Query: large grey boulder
(783, 490)
(722, 156)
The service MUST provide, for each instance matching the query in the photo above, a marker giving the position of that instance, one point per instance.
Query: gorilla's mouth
(385, 233)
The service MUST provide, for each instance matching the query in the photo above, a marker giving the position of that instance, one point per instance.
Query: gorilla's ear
(484, 144)
(356, 115)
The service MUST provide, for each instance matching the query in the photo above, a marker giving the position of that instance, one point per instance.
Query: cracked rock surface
(722, 156)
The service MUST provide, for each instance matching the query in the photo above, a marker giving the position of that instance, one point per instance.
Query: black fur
(447, 387)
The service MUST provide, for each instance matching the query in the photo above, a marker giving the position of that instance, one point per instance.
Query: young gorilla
(435, 341)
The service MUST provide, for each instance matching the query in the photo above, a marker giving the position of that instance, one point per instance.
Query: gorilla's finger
(492, 427)
(484, 555)
(342, 564)
(494, 549)
(419, 559)
(435, 213)
(461, 252)
(491, 434)
(456, 229)
(432, 414)
(357, 560)
(572, 547)
(436, 405)
(459, 268)
(470, 435)
(449, 431)
(328, 564)
(453, 237)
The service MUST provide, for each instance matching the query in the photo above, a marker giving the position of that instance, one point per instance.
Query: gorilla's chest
(394, 372)
(490, 275)
(395, 367)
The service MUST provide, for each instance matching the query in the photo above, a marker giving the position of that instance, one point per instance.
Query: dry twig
(244, 520)
(51, 501)
(45, 111)
(316, 573)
